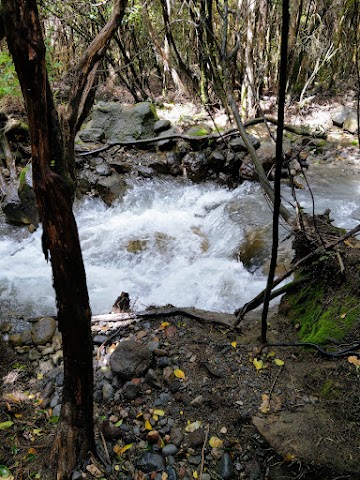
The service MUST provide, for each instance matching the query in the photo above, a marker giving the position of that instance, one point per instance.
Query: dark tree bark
(278, 166)
(52, 148)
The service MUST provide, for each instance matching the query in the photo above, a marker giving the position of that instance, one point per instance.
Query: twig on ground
(203, 452)
(105, 447)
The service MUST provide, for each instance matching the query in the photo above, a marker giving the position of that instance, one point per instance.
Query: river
(167, 242)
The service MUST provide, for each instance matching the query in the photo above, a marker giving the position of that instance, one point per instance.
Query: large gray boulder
(113, 121)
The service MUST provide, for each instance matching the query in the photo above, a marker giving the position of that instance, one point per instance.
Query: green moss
(321, 319)
(201, 132)
(22, 175)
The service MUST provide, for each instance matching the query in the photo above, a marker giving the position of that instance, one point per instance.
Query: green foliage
(9, 84)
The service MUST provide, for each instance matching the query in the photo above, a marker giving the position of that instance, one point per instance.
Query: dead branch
(217, 137)
(199, 315)
(287, 216)
(303, 131)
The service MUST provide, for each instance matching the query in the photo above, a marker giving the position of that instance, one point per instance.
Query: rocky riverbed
(180, 398)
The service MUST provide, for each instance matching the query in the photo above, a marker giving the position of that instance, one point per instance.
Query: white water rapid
(168, 241)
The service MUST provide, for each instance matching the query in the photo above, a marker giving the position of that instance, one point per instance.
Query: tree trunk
(53, 162)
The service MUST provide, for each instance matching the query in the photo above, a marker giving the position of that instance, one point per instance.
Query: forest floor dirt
(280, 413)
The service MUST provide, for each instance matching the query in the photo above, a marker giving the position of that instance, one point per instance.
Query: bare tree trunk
(53, 165)
(279, 162)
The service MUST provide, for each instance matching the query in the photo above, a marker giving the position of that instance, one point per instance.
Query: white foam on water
(167, 241)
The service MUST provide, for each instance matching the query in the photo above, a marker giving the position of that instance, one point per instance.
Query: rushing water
(167, 242)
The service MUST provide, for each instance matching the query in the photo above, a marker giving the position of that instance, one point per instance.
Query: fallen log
(217, 137)
(203, 316)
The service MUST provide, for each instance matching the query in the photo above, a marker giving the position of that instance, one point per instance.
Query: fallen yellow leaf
(179, 373)
(258, 364)
(161, 413)
(125, 448)
(191, 427)
(215, 442)
(32, 451)
(148, 425)
(279, 362)
(234, 344)
(195, 474)
(6, 425)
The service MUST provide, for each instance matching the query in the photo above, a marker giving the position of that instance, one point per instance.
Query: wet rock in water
(43, 330)
(196, 165)
(111, 188)
(103, 170)
(150, 462)
(86, 180)
(130, 359)
(225, 468)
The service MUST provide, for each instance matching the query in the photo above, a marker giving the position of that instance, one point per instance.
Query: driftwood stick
(304, 131)
(199, 315)
(256, 301)
(173, 136)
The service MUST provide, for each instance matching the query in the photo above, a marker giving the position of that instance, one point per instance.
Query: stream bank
(204, 402)
(272, 420)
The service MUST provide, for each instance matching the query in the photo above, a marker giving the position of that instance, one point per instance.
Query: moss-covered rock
(326, 305)
(322, 315)
(113, 121)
